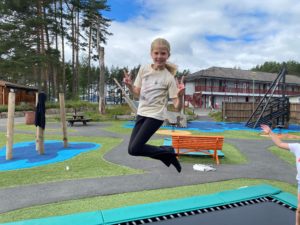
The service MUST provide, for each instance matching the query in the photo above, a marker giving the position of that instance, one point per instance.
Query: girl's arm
(178, 102)
(134, 90)
(274, 137)
(128, 82)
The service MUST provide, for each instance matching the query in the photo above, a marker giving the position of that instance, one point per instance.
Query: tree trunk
(38, 50)
(62, 49)
(73, 54)
(89, 64)
(56, 65)
(101, 81)
(42, 46)
(50, 64)
(77, 54)
(102, 71)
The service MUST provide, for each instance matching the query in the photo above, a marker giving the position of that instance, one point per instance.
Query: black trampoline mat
(263, 213)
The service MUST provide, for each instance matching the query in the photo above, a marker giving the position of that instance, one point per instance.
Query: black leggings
(144, 128)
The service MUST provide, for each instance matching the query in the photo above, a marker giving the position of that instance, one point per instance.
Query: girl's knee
(298, 209)
(132, 150)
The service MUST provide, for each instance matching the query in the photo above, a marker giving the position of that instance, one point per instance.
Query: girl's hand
(127, 78)
(180, 86)
(265, 128)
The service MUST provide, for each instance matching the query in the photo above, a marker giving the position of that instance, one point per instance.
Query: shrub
(216, 115)
(3, 108)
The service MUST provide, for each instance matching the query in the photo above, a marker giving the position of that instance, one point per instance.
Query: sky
(204, 33)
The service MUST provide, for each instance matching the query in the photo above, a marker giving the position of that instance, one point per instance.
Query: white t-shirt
(295, 148)
(156, 86)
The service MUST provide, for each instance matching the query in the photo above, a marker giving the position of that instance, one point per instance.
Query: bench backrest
(197, 142)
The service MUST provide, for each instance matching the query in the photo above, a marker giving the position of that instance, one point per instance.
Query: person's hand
(265, 128)
(180, 86)
(127, 78)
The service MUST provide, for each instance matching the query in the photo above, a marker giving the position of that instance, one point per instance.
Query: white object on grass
(203, 168)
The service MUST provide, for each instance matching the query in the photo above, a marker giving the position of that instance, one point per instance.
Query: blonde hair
(161, 42)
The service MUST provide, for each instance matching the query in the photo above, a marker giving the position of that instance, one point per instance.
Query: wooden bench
(184, 144)
(82, 120)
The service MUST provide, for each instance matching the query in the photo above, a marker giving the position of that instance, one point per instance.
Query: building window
(264, 87)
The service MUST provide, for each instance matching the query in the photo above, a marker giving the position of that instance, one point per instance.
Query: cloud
(208, 33)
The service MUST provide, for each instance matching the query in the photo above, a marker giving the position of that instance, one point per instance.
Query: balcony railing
(240, 90)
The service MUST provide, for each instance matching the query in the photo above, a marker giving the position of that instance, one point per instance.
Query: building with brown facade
(210, 87)
(24, 94)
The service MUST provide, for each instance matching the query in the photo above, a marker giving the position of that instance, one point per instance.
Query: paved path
(262, 164)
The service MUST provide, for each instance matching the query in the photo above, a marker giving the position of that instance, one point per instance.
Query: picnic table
(78, 118)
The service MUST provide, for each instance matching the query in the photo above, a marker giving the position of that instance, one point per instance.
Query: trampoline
(259, 205)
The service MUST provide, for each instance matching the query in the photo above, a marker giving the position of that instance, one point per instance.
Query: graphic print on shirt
(153, 91)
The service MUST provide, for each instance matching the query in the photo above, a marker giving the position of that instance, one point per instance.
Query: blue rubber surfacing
(25, 155)
(210, 126)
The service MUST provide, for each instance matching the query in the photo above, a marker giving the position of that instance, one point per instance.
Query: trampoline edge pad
(162, 208)
(287, 198)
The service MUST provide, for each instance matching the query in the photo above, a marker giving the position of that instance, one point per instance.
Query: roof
(17, 86)
(238, 74)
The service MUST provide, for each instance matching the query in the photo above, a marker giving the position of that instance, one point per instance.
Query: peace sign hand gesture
(265, 128)
(127, 78)
(180, 86)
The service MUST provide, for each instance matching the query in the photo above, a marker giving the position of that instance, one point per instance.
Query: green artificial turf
(85, 165)
(134, 198)
(117, 127)
(32, 128)
(283, 154)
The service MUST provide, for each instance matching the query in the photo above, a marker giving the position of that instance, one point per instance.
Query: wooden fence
(241, 111)
(295, 113)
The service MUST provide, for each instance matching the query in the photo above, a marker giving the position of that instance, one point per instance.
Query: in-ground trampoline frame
(172, 211)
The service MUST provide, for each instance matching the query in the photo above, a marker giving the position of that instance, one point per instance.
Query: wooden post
(10, 125)
(40, 140)
(63, 118)
(39, 144)
(37, 133)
